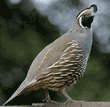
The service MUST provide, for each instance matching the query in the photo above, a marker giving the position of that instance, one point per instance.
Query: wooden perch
(79, 104)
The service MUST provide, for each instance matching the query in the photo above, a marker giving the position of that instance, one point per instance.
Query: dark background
(27, 26)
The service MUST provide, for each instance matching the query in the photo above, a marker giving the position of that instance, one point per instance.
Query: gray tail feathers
(17, 92)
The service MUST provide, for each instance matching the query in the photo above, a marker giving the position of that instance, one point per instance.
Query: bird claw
(65, 103)
(54, 102)
(50, 101)
(72, 101)
(45, 100)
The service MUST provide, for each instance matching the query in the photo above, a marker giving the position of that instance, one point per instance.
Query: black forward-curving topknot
(95, 7)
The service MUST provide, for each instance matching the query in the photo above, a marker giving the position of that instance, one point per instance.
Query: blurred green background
(23, 34)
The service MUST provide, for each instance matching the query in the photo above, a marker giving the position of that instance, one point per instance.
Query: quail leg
(47, 99)
(69, 99)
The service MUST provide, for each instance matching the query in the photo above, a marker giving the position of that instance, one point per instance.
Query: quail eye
(84, 15)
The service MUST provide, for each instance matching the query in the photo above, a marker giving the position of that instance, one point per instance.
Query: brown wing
(66, 70)
(48, 56)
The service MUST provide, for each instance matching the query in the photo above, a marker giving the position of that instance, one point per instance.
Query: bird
(63, 62)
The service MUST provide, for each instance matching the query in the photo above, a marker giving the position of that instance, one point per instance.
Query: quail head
(63, 62)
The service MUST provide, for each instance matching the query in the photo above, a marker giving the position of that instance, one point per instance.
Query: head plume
(86, 16)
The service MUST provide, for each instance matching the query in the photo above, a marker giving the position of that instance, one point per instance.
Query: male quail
(63, 62)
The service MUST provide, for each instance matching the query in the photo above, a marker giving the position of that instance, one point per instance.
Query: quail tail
(17, 92)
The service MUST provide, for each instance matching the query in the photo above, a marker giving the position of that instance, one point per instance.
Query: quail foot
(63, 62)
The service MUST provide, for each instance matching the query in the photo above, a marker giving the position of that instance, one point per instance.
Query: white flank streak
(74, 61)
(66, 49)
(62, 58)
(53, 74)
(73, 50)
(73, 46)
(57, 77)
(64, 69)
(78, 47)
(74, 41)
(58, 73)
(79, 50)
(56, 63)
(72, 70)
(70, 42)
(75, 64)
(57, 66)
(72, 54)
(69, 73)
(64, 54)
(77, 58)
(64, 74)
(67, 58)
(68, 65)
(43, 58)
(49, 67)
(49, 74)
(53, 65)
(80, 54)
(64, 61)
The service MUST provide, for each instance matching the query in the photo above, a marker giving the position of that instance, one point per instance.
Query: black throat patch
(87, 20)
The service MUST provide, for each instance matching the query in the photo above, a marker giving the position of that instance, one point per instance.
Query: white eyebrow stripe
(80, 20)
(81, 13)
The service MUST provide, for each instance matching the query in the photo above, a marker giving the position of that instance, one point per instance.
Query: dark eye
(84, 15)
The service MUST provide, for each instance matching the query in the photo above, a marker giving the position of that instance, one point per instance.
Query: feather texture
(61, 63)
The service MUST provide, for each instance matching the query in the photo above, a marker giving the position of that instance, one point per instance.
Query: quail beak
(92, 15)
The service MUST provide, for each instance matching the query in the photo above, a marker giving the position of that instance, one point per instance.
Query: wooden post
(76, 104)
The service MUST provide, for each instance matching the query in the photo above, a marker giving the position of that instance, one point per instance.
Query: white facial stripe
(80, 20)
(82, 13)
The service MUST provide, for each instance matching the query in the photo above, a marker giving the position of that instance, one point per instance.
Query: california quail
(63, 62)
